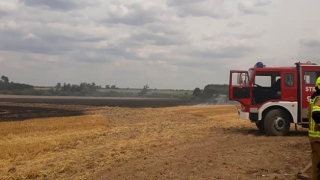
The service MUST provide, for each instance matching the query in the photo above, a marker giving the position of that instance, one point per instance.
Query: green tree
(196, 92)
(209, 91)
(5, 79)
(58, 87)
(144, 90)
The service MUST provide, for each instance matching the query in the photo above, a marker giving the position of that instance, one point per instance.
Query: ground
(185, 142)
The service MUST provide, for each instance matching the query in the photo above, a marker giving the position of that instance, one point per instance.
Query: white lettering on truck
(310, 89)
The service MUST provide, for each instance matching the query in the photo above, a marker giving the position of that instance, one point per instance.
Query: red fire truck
(274, 97)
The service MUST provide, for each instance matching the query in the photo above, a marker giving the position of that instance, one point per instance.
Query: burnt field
(15, 108)
(95, 101)
(17, 112)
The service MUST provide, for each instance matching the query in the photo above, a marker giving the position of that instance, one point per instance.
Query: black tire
(277, 123)
(260, 125)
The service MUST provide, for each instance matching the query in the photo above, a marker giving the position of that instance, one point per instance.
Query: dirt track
(208, 142)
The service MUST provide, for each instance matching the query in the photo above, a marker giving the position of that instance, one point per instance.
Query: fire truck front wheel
(277, 123)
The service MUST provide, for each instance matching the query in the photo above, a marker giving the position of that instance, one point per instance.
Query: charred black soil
(18, 113)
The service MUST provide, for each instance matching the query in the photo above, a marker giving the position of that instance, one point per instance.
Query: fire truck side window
(310, 77)
(289, 80)
(264, 81)
(240, 79)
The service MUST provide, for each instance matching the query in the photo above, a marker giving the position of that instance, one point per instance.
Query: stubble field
(185, 142)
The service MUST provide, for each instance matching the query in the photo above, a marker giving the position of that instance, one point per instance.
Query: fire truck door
(309, 74)
(289, 86)
(239, 87)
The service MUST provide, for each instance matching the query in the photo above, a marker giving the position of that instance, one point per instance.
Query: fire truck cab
(274, 97)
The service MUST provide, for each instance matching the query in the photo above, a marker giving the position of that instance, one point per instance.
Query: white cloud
(234, 24)
(139, 13)
(6, 8)
(165, 43)
(311, 43)
(254, 7)
(215, 9)
(262, 2)
(61, 5)
(9, 25)
(244, 34)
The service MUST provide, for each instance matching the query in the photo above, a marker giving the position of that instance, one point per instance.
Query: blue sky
(179, 44)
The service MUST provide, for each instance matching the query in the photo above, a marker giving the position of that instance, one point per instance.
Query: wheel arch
(289, 107)
(264, 113)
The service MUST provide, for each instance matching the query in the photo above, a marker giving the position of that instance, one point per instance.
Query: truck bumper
(243, 115)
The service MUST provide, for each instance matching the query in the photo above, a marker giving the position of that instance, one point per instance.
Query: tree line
(73, 89)
(5, 85)
(91, 89)
(211, 91)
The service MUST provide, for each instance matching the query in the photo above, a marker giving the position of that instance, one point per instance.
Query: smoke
(215, 100)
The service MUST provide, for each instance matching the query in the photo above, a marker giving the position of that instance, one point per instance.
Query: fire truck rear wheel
(277, 123)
